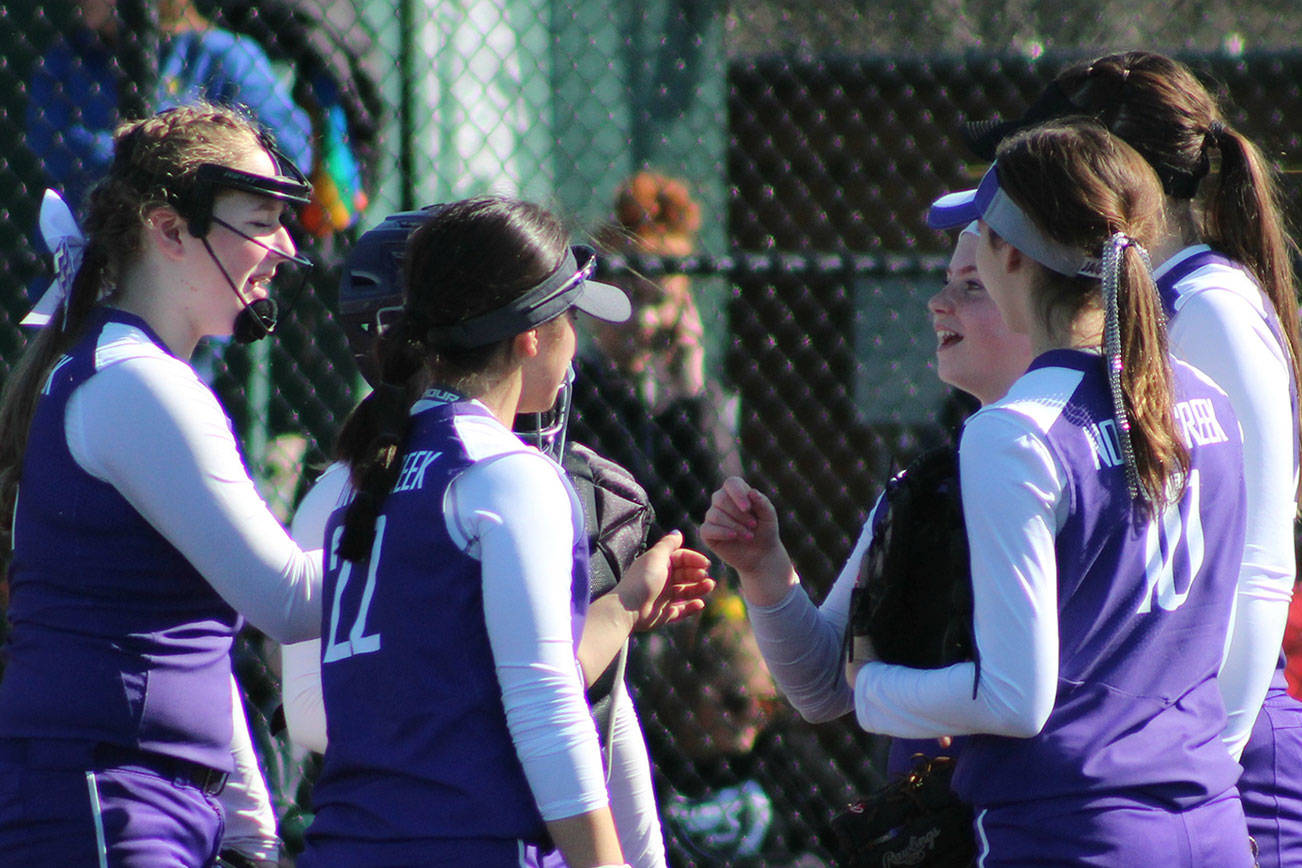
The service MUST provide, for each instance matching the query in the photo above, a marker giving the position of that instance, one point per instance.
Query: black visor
(570, 285)
(289, 184)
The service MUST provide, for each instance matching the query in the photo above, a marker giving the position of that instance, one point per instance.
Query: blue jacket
(73, 95)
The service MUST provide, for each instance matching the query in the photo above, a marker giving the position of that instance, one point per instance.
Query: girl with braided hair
(1104, 507)
(1223, 270)
(456, 566)
(137, 540)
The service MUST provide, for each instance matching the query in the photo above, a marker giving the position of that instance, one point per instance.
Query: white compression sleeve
(301, 661)
(1219, 332)
(1014, 587)
(802, 644)
(515, 514)
(632, 798)
(152, 429)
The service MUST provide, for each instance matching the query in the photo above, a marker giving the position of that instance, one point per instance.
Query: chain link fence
(788, 341)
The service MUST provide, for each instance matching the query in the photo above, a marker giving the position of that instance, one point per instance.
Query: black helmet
(370, 289)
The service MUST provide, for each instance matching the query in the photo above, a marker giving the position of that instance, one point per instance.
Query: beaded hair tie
(1113, 249)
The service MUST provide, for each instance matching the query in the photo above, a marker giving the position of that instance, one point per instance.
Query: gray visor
(989, 203)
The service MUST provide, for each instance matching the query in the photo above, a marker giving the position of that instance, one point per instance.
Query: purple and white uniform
(118, 687)
(1082, 607)
(632, 799)
(1223, 324)
(480, 564)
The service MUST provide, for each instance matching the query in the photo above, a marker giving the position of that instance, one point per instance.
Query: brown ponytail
(1244, 220)
(1080, 185)
(372, 437)
(1158, 106)
(18, 402)
(1161, 456)
(468, 258)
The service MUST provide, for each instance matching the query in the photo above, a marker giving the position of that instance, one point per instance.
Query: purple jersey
(436, 764)
(1143, 607)
(116, 637)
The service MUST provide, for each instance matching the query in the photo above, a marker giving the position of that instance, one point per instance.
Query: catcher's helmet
(370, 289)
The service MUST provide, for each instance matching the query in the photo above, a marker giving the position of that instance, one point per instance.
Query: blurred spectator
(72, 105)
(721, 742)
(659, 349)
(336, 75)
(641, 393)
(723, 745)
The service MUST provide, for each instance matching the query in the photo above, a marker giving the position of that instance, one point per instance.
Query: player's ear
(165, 227)
(525, 344)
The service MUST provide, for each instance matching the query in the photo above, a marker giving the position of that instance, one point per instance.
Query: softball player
(1226, 283)
(1114, 547)
(456, 571)
(372, 282)
(137, 536)
(975, 352)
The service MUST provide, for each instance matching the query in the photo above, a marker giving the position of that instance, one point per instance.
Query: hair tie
(1113, 249)
(1215, 130)
(64, 239)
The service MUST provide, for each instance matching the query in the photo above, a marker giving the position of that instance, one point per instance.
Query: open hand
(666, 583)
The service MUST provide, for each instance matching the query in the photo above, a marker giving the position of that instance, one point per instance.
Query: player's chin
(948, 368)
(958, 377)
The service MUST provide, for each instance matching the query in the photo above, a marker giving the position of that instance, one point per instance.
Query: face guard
(289, 184)
(546, 431)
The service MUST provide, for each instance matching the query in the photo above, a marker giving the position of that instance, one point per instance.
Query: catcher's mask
(370, 288)
(289, 184)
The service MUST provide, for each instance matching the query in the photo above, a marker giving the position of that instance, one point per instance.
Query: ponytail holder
(1215, 130)
(63, 237)
(1113, 249)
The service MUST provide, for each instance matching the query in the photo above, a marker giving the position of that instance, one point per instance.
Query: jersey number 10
(1166, 535)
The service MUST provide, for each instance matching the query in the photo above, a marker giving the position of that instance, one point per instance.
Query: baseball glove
(913, 595)
(914, 820)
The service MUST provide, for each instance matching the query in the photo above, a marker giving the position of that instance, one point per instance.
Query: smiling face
(247, 263)
(975, 351)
